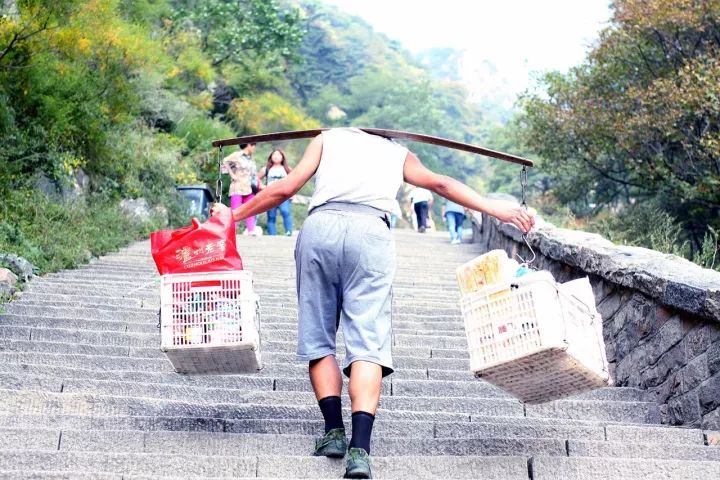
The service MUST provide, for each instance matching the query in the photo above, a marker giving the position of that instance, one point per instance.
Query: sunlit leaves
(640, 120)
(268, 112)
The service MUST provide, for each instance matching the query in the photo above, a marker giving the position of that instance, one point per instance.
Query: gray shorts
(345, 263)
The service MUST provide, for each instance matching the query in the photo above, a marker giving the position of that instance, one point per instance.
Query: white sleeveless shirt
(356, 167)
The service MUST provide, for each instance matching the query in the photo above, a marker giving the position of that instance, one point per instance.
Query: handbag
(199, 247)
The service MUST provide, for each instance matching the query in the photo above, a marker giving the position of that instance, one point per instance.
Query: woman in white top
(276, 169)
(345, 263)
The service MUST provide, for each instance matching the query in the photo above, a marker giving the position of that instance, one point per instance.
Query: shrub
(54, 235)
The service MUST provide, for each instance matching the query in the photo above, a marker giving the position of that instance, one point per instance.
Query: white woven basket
(210, 322)
(534, 341)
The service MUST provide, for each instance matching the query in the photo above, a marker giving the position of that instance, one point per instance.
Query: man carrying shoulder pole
(345, 263)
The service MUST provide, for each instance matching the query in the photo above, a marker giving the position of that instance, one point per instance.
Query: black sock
(331, 409)
(362, 424)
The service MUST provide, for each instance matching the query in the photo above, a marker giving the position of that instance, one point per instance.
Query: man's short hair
(243, 145)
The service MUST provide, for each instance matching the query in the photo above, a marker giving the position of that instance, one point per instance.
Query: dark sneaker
(333, 444)
(358, 464)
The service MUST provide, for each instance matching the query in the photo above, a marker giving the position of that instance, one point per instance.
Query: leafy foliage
(132, 92)
(639, 121)
(232, 31)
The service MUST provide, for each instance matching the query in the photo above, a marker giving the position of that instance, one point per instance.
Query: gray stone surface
(80, 369)
(664, 451)
(709, 394)
(543, 468)
(647, 435)
(18, 265)
(131, 463)
(509, 468)
(8, 281)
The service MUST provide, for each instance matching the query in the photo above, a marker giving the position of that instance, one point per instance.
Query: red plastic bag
(200, 247)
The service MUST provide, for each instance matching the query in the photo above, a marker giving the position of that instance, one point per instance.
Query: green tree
(232, 30)
(639, 121)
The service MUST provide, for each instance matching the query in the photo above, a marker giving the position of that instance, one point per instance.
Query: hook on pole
(218, 183)
(523, 187)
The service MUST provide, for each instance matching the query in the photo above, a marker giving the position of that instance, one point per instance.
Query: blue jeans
(287, 218)
(455, 224)
(421, 210)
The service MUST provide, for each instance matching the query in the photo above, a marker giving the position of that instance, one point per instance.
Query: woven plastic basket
(534, 341)
(210, 322)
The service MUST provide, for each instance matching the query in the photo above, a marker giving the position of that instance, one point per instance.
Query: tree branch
(18, 37)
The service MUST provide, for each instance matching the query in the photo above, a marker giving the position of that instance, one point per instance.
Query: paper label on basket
(489, 269)
(504, 330)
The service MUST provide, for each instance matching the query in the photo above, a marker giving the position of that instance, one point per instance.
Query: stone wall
(661, 313)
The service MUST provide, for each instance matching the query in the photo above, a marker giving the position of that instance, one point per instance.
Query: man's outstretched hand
(510, 212)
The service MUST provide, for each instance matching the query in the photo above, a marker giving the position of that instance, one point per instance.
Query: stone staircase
(86, 393)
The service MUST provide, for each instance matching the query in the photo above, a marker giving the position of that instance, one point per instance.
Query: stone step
(633, 412)
(236, 389)
(204, 424)
(150, 326)
(433, 341)
(50, 403)
(630, 412)
(118, 441)
(130, 463)
(286, 301)
(484, 439)
(44, 286)
(37, 346)
(495, 426)
(152, 359)
(647, 434)
(183, 392)
(434, 388)
(137, 315)
(399, 326)
(80, 324)
(247, 444)
(45, 475)
(579, 468)
(35, 298)
(664, 451)
(282, 316)
(436, 325)
(413, 366)
(27, 346)
(136, 339)
(422, 467)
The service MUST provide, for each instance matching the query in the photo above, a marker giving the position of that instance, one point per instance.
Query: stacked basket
(210, 322)
(537, 339)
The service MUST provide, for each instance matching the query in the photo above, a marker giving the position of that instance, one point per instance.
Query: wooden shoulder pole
(415, 137)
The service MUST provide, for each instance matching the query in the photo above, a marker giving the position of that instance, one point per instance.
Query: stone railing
(661, 313)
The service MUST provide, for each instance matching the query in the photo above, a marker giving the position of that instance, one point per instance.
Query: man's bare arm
(417, 174)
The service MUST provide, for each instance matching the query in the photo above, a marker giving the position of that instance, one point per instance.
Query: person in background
(276, 169)
(421, 200)
(242, 170)
(345, 266)
(454, 215)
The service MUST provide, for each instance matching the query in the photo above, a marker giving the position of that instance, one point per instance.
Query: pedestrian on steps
(422, 201)
(454, 215)
(243, 175)
(345, 263)
(277, 168)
